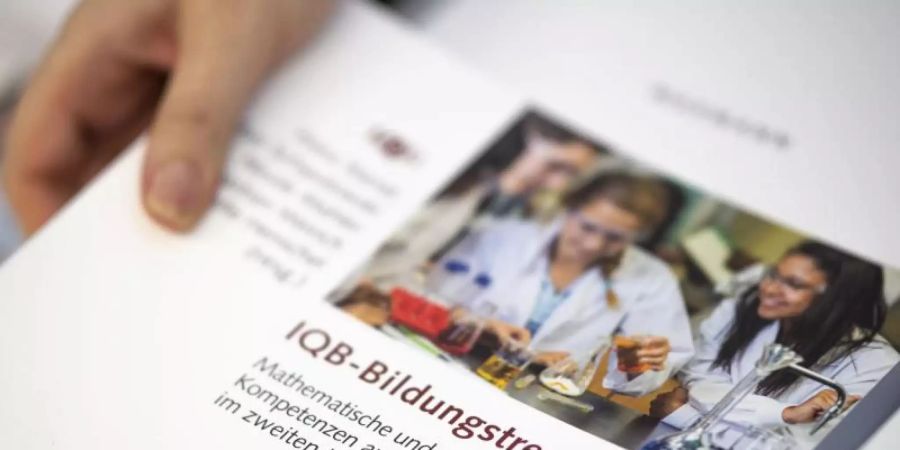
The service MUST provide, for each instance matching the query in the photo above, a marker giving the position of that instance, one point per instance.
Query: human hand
(654, 351)
(507, 333)
(550, 358)
(811, 409)
(641, 353)
(185, 68)
(666, 403)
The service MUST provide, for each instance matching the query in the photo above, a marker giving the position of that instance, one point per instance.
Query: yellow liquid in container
(498, 371)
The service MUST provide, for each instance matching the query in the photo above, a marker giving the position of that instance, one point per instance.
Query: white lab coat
(858, 373)
(516, 252)
(426, 233)
(416, 242)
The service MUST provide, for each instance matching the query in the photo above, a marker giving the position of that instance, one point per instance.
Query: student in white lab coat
(824, 304)
(535, 156)
(567, 286)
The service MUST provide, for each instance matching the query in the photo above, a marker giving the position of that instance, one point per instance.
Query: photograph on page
(626, 303)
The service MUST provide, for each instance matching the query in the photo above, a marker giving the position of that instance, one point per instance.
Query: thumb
(225, 48)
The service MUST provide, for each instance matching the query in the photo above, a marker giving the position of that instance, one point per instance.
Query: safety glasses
(788, 282)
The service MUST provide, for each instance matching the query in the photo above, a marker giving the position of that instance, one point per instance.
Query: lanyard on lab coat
(548, 301)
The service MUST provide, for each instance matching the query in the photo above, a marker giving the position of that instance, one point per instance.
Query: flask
(775, 357)
(571, 375)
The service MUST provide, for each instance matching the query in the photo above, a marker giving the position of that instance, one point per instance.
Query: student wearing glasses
(563, 287)
(824, 304)
(536, 157)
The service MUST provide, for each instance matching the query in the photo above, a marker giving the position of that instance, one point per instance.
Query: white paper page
(116, 334)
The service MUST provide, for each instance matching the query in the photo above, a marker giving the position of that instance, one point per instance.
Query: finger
(652, 359)
(550, 359)
(851, 400)
(655, 341)
(226, 48)
(86, 99)
(653, 352)
(828, 397)
(830, 400)
(655, 363)
(820, 404)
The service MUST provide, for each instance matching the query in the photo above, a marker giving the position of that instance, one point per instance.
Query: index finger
(851, 400)
(226, 49)
(84, 89)
(655, 341)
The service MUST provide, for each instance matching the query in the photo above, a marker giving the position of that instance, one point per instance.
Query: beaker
(571, 376)
(506, 364)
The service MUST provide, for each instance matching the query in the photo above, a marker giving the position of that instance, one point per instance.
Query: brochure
(405, 254)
